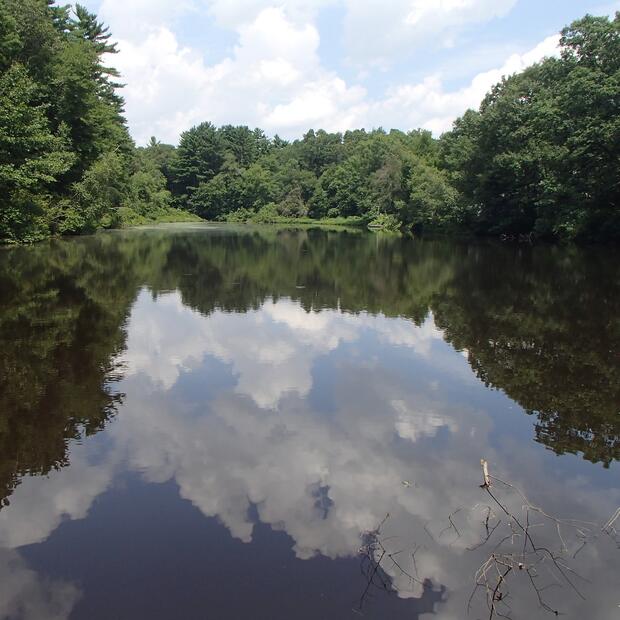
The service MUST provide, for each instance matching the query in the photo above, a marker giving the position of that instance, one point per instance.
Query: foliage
(198, 159)
(31, 156)
(383, 221)
(235, 174)
(541, 324)
(542, 155)
(100, 192)
(61, 316)
(128, 217)
(64, 147)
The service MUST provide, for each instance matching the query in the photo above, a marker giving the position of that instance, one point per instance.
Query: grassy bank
(128, 217)
(260, 218)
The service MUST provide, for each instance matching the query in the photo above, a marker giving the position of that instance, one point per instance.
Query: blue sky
(294, 64)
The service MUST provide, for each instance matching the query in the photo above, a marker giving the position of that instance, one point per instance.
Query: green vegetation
(62, 306)
(129, 217)
(540, 157)
(236, 174)
(67, 163)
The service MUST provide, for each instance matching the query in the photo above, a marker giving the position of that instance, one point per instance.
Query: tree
(10, 42)
(158, 155)
(147, 194)
(432, 201)
(31, 157)
(61, 123)
(246, 145)
(199, 158)
(98, 195)
(214, 199)
(318, 151)
(542, 154)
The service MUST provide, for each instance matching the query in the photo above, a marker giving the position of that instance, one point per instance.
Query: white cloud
(26, 595)
(166, 85)
(413, 424)
(374, 30)
(170, 89)
(274, 77)
(272, 351)
(233, 13)
(402, 332)
(133, 19)
(378, 33)
(429, 105)
(259, 441)
(41, 504)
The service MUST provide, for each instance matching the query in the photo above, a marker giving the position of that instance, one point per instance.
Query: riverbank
(129, 217)
(260, 218)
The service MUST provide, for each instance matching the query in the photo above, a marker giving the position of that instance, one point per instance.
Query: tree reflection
(541, 324)
(61, 317)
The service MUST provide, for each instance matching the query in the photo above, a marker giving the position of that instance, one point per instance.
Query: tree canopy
(67, 162)
(540, 157)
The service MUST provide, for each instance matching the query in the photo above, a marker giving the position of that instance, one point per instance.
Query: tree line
(540, 157)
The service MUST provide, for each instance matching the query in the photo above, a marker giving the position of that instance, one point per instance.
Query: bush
(385, 221)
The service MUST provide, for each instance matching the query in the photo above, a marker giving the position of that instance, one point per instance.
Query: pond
(202, 421)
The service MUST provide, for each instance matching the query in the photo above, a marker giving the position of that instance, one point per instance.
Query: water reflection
(308, 382)
(61, 318)
(543, 325)
(26, 595)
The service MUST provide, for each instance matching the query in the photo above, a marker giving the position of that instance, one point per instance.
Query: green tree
(432, 200)
(98, 195)
(319, 150)
(31, 157)
(61, 120)
(199, 158)
(159, 155)
(246, 145)
(542, 154)
(10, 42)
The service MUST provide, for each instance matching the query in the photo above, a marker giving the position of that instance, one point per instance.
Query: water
(201, 421)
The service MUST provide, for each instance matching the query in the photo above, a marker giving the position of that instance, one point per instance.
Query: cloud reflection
(266, 443)
(271, 350)
(24, 595)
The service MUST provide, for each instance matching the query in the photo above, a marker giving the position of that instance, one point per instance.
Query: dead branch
(517, 549)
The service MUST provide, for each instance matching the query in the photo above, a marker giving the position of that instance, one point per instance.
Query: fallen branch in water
(517, 551)
(531, 556)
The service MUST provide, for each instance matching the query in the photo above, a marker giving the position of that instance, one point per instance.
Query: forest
(539, 159)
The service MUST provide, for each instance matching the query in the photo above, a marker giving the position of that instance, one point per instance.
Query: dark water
(201, 422)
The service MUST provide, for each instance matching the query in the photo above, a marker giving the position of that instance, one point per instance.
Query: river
(202, 421)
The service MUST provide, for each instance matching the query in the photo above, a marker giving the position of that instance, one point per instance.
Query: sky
(290, 65)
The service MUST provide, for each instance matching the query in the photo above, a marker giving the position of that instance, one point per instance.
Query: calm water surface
(210, 422)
